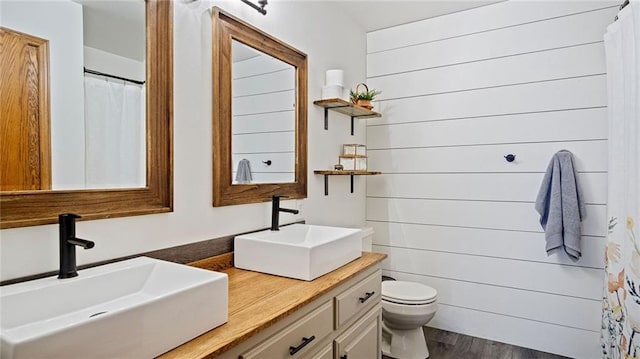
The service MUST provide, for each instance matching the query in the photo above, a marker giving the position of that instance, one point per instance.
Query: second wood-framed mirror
(154, 191)
(259, 114)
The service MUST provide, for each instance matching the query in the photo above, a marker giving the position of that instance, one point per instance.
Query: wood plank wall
(460, 91)
(264, 118)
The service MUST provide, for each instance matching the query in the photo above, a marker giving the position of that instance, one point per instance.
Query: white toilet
(406, 308)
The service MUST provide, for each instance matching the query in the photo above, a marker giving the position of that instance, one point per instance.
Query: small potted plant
(363, 99)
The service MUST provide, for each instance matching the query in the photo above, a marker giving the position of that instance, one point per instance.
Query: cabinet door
(25, 146)
(362, 340)
(325, 353)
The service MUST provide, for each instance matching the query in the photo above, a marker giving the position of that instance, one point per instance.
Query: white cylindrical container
(331, 91)
(334, 77)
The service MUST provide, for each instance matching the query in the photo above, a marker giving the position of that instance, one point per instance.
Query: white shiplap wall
(459, 92)
(263, 127)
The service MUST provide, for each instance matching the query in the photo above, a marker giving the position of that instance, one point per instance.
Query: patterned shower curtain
(621, 304)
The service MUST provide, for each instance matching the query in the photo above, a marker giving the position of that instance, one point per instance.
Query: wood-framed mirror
(20, 208)
(259, 114)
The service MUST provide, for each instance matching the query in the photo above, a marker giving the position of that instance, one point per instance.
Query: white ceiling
(370, 15)
(115, 26)
(375, 15)
(241, 52)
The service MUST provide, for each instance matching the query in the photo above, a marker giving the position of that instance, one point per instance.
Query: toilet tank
(367, 239)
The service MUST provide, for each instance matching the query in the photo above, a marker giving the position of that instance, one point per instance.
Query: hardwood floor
(448, 345)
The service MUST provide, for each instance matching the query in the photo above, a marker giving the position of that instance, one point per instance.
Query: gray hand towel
(243, 174)
(560, 205)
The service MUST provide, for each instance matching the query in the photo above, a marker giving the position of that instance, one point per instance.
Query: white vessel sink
(298, 251)
(138, 308)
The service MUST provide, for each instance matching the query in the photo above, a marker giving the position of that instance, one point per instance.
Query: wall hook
(267, 162)
(510, 157)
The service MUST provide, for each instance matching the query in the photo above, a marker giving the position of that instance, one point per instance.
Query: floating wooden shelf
(353, 156)
(327, 173)
(346, 173)
(344, 107)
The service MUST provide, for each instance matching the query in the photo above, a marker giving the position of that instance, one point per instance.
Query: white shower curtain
(621, 304)
(115, 133)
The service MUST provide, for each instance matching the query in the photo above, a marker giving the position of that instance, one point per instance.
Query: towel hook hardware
(267, 162)
(510, 157)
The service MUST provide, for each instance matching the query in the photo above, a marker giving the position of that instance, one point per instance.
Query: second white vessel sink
(138, 308)
(300, 251)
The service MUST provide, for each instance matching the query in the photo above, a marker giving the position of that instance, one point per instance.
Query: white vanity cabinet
(343, 323)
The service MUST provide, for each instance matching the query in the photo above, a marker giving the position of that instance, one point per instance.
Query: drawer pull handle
(367, 296)
(305, 341)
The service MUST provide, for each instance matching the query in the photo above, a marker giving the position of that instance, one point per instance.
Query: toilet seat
(410, 293)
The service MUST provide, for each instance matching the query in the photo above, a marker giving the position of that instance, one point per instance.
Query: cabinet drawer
(299, 338)
(360, 296)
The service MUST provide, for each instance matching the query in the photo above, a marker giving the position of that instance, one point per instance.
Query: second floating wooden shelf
(327, 173)
(344, 107)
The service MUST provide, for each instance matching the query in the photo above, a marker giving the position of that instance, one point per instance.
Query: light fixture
(260, 8)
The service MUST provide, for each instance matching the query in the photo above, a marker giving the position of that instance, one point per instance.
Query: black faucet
(68, 243)
(275, 212)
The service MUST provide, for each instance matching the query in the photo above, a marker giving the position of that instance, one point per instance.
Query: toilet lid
(407, 292)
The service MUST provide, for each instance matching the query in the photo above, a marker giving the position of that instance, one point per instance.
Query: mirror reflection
(263, 142)
(259, 114)
(74, 114)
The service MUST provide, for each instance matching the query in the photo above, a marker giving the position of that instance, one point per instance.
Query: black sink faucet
(275, 212)
(68, 243)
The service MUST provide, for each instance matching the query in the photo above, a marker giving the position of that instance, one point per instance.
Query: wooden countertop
(257, 300)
